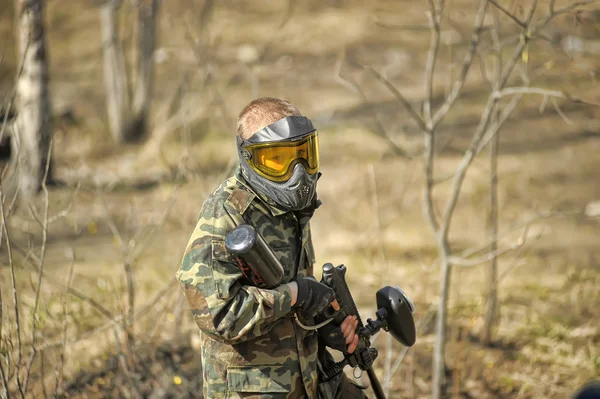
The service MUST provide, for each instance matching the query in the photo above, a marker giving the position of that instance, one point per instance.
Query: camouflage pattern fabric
(251, 346)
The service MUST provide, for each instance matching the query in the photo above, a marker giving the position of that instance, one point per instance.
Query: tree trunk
(115, 78)
(147, 12)
(33, 126)
(439, 364)
(128, 117)
(492, 300)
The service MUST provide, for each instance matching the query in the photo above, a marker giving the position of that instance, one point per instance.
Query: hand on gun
(341, 337)
(311, 299)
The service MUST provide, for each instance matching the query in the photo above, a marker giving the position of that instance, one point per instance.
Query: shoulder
(213, 219)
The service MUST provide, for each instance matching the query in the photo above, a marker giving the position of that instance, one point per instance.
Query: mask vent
(303, 192)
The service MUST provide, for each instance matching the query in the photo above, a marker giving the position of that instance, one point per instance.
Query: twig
(466, 65)
(400, 98)
(428, 163)
(380, 240)
(382, 131)
(42, 263)
(518, 255)
(96, 305)
(506, 113)
(559, 111)
(127, 321)
(458, 261)
(543, 104)
(14, 289)
(431, 60)
(399, 360)
(67, 209)
(492, 296)
(2, 373)
(509, 14)
(481, 129)
(509, 91)
(152, 227)
(565, 9)
(138, 315)
(353, 86)
(4, 381)
(337, 69)
(61, 359)
(517, 53)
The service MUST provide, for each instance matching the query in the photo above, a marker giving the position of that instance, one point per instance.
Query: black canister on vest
(254, 257)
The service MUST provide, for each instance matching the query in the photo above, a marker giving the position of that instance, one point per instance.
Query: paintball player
(252, 345)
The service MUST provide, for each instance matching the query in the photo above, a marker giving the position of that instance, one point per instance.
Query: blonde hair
(262, 112)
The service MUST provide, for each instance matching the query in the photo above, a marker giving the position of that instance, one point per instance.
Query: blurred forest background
(459, 147)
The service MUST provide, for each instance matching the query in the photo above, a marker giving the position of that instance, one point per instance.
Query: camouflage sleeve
(222, 306)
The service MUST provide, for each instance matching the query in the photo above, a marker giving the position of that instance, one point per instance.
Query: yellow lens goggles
(276, 160)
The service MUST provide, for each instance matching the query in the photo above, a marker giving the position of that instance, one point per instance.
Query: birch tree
(32, 129)
(128, 100)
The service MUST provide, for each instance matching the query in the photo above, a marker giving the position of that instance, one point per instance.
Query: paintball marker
(394, 313)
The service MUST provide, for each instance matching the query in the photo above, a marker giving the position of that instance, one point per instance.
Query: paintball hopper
(399, 311)
(394, 315)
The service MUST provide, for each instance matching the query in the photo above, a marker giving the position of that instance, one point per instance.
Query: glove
(331, 334)
(313, 297)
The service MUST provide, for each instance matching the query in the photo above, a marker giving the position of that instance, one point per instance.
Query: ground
(136, 205)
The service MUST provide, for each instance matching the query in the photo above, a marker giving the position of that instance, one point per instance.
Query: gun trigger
(329, 311)
(335, 305)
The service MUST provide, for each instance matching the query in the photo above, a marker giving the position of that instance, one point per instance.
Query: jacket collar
(266, 203)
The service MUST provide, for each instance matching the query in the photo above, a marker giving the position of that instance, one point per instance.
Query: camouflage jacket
(251, 346)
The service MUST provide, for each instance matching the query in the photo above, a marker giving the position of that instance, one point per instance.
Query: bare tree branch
(509, 14)
(481, 129)
(506, 113)
(36, 262)
(564, 10)
(337, 76)
(353, 86)
(4, 380)
(459, 261)
(38, 288)
(14, 290)
(509, 91)
(431, 61)
(58, 372)
(466, 65)
(381, 130)
(405, 103)
(140, 313)
(560, 112)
